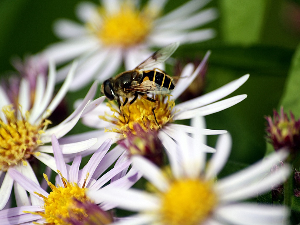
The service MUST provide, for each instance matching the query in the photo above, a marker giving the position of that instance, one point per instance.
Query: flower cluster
(144, 135)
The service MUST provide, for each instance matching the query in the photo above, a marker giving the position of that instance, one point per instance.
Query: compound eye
(107, 90)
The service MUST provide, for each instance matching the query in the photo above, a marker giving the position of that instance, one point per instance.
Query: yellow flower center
(149, 115)
(61, 202)
(188, 202)
(126, 27)
(18, 138)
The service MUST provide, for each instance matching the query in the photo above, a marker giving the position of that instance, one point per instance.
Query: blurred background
(258, 37)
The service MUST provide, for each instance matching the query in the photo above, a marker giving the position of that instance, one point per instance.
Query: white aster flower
(192, 195)
(162, 114)
(72, 186)
(123, 30)
(24, 130)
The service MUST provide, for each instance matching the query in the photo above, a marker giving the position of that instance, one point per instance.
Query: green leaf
(290, 99)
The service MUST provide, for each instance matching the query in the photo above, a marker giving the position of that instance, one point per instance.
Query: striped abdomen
(159, 78)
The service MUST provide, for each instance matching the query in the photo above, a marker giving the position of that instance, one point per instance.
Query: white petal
(210, 109)
(47, 96)
(47, 160)
(136, 220)
(88, 69)
(219, 159)
(24, 96)
(172, 152)
(250, 174)
(61, 93)
(111, 6)
(38, 97)
(249, 214)
(93, 105)
(68, 50)
(73, 172)
(133, 200)
(156, 5)
(190, 129)
(86, 10)
(21, 195)
(183, 11)
(151, 172)
(68, 29)
(4, 100)
(5, 190)
(257, 188)
(71, 148)
(214, 95)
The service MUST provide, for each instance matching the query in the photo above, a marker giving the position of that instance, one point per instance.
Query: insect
(142, 80)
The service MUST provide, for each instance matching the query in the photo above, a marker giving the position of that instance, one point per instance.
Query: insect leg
(135, 97)
(155, 117)
(126, 100)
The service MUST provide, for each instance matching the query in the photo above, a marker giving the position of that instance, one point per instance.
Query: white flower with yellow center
(23, 131)
(162, 114)
(123, 30)
(72, 186)
(192, 195)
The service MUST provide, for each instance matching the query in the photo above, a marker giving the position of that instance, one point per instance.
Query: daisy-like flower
(124, 31)
(72, 186)
(162, 114)
(23, 130)
(192, 195)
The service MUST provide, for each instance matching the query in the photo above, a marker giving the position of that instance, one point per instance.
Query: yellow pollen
(61, 202)
(188, 202)
(18, 138)
(126, 27)
(150, 115)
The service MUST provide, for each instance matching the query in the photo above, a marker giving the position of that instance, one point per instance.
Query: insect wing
(158, 57)
(154, 88)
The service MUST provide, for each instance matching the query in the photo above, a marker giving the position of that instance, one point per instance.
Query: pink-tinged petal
(38, 97)
(88, 69)
(64, 28)
(213, 96)
(249, 214)
(246, 176)
(5, 190)
(123, 158)
(59, 159)
(47, 95)
(94, 161)
(47, 160)
(22, 219)
(137, 220)
(133, 200)
(68, 50)
(151, 172)
(183, 11)
(190, 74)
(108, 160)
(258, 187)
(85, 11)
(48, 172)
(109, 175)
(26, 183)
(73, 173)
(128, 180)
(24, 97)
(12, 212)
(210, 109)
(219, 159)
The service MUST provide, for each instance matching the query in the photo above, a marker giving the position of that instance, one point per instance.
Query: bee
(142, 80)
